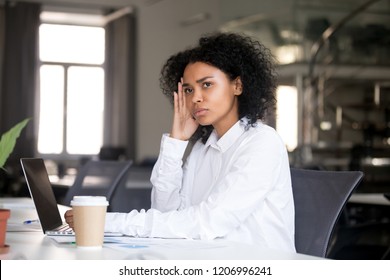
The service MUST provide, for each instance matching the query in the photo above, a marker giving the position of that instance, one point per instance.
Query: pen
(27, 222)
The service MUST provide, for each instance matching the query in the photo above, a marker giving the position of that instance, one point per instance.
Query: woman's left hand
(69, 218)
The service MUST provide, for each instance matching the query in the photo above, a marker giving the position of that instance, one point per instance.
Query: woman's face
(211, 97)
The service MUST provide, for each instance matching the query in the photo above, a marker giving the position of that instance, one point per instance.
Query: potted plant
(8, 141)
(7, 145)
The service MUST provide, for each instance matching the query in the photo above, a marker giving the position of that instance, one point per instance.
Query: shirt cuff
(172, 148)
(133, 223)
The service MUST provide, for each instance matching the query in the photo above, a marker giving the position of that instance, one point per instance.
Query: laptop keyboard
(62, 230)
(66, 230)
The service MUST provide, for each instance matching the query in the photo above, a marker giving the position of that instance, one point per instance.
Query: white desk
(37, 246)
(369, 198)
(66, 181)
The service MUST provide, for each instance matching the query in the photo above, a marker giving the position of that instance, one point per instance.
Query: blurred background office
(86, 73)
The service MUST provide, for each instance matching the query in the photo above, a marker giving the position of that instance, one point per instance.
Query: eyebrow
(199, 81)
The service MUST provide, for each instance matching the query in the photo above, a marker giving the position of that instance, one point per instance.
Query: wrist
(177, 137)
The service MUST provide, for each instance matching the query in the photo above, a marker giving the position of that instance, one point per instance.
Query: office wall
(164, 27)
(163, 31)
(167, 26)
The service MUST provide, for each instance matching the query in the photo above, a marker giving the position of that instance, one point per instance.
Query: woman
(235, 183)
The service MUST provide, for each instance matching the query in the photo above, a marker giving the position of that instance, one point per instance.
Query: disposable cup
(89, 215)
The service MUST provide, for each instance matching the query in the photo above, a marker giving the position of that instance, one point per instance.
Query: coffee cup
(89, 215)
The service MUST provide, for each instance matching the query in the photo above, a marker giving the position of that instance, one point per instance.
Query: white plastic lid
(89, 201)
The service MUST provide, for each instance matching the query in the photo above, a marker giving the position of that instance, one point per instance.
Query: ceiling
(231, 8)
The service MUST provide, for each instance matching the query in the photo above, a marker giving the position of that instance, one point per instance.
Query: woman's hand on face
(184, 125)
(69, 218)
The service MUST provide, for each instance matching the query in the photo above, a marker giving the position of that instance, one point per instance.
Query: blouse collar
(229, 138)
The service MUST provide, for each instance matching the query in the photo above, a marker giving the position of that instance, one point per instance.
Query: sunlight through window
(68, 43)
(51, 110)
(287, 115)
(71, 89)
(84, 123)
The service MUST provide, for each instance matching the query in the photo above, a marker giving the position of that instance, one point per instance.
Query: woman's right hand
(184, 125)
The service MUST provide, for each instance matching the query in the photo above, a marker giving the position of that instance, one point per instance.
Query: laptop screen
(41, 192)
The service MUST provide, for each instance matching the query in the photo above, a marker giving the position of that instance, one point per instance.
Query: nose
(197, 97)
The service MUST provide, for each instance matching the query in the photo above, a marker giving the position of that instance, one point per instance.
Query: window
(287, 115)
(71, 89)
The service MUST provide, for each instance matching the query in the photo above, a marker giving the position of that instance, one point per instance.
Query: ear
(237, 83)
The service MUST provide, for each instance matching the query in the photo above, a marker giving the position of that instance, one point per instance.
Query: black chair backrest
(97, 177)
(133, 191)
(319, 198)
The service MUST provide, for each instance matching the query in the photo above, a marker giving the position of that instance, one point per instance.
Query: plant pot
(4, 215)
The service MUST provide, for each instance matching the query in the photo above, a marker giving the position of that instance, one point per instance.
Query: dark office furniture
(133, 191)
(319, 197)
(97, 177)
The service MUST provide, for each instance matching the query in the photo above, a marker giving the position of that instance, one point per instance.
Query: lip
(199, 112)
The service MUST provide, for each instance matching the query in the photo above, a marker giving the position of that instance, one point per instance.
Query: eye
(187, 90)
(206, 84)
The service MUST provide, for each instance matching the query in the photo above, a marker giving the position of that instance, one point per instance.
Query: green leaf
(8, 141)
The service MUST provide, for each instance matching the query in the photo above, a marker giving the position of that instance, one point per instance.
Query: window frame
(64, 155)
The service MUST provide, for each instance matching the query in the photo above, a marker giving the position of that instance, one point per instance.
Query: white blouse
(237, 187)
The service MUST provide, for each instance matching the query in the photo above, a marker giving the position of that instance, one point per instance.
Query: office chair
(319, 198)
(97, 177)
(366, 241)
(112, 153)
(133, 191)
(364, 234)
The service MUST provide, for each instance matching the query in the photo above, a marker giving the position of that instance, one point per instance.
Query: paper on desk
(66, 239)
(14, 205)
(63, 239)
(143, 241)
(13, 227)
(127, 242)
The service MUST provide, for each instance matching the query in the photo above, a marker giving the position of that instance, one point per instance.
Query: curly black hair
(237, 56)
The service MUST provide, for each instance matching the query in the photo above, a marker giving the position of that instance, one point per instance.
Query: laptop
(42, 194)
